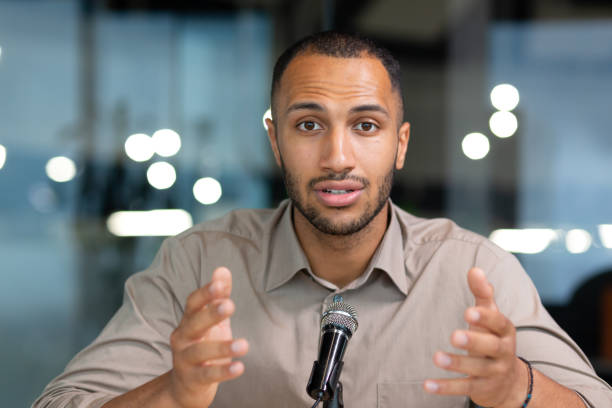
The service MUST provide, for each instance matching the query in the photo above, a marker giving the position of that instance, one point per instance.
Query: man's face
(335, 136)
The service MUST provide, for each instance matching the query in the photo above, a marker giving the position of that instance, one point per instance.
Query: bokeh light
(475, 146)
(578, 241)
(505, 97)
(60, 169)
(2, 156)
(503, 124)
(139, 147)
(267, 115)
(207, 190)
(524, 241)
(605, 235)
(161, 175)
(43, 198)
(166, 142)
(167, 222)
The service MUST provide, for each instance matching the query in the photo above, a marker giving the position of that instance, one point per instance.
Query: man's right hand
(202, 344)
(202, 352)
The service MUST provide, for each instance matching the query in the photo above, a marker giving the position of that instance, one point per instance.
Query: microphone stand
(337, 401)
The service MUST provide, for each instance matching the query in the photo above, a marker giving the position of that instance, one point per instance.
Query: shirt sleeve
(134, 347)
(540, 339)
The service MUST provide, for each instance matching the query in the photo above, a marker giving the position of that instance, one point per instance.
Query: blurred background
(125, 121)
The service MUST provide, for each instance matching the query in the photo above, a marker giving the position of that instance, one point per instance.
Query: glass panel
(77, 86)
(77, 78)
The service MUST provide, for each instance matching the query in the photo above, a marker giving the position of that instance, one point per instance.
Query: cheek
(299, 154)
(376, 157)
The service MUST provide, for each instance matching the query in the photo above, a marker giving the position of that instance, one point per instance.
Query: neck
(340, 259)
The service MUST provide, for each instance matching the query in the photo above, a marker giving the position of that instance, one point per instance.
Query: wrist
(168, 393)
(177, 394)
(520, 386)
(155, 393)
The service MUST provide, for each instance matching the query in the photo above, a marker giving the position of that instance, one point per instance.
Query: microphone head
(340, 314)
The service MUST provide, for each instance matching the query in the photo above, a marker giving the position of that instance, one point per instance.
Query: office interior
(126, 121)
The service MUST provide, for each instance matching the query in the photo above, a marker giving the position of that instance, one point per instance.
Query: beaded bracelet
(530, 373)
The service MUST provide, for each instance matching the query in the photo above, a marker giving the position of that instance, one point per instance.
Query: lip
(353, 188)
(338, 200)
(338, 185)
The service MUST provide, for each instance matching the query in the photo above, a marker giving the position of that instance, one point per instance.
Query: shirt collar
(287, 257)
(390, 254)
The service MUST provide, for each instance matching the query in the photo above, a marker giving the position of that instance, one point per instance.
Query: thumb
(481, 288)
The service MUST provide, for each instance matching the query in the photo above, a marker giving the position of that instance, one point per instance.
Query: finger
(481, 343)
(217, 288)
(455, 386)
(491, 320)
(221, 372)
(195, 326)
(473, 366)
(481, 288)
(224, 275)
(206, 351)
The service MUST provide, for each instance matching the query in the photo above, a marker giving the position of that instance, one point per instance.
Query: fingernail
(223, 308)
(235, 368)
(461, 338)
(443, 359)
(431, 386)
(479, 272)
(215, 288)
(222, 270)
(238, 346)
(473, 315)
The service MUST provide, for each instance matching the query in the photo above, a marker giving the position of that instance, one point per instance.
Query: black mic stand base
(337, 401)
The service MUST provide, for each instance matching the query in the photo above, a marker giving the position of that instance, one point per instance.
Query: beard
(326, 225)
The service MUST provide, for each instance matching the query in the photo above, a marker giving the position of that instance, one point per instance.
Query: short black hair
(339, 45)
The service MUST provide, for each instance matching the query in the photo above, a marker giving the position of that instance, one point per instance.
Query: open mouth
(337, 197)
(339, 193)
(330, 191)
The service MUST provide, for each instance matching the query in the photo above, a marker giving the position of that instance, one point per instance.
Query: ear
(272, 137)
(402, 145)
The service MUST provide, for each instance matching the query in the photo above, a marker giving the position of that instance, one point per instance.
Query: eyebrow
(356, 109)
(305, 106)
(369, 108)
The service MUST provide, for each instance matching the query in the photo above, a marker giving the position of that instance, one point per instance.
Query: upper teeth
(337, 191)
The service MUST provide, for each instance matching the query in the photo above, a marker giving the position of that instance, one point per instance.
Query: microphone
(338, 323)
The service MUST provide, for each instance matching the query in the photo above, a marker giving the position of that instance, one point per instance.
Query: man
(444, 313)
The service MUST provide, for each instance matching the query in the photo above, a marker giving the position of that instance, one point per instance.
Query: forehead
(326, 79)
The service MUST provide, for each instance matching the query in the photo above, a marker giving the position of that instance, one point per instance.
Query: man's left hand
(495, 377)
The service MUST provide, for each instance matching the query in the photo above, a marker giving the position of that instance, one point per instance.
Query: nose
(337, 151)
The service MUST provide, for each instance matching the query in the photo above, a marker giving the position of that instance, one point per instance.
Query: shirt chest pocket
(412, 395)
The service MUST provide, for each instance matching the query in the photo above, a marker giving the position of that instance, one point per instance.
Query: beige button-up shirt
(410, 299)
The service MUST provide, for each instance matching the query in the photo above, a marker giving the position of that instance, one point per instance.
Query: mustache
(339, 177)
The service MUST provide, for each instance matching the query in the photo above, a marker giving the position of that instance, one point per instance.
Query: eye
(309, 126)
(366, 127)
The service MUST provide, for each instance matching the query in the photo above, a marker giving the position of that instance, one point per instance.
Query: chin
(340, 224)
